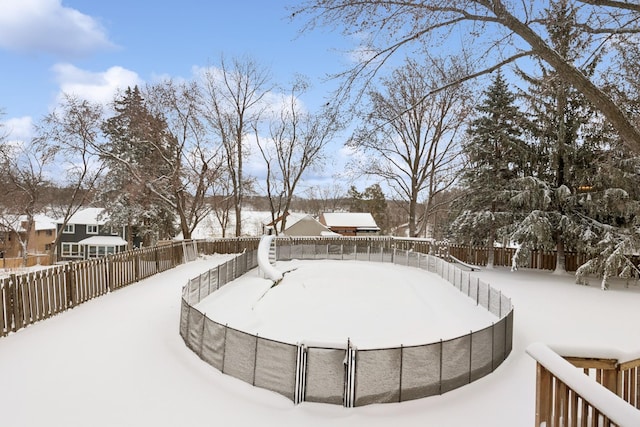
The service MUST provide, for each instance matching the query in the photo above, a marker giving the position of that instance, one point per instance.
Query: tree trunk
(490, 247)
(412, 217)
(561, 267)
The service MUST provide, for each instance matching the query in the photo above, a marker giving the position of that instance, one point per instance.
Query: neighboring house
(307, 226)
(87, 236)
(298, 225)
(39, 241)
(350, 223)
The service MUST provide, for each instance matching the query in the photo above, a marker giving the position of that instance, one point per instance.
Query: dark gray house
(86, 236)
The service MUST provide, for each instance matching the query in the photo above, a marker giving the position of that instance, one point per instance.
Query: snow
(334, 301)
(90, 216)
(269, 271)
(118, 360)
(103, 241)
(349, 219)
(619, 411)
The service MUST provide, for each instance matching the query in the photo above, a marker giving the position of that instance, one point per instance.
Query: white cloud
(97, 87)
(18, 128)
(47, 26)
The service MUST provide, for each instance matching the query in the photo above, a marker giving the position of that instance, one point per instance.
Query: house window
(69, 229)
(92, 229)
(71, 250)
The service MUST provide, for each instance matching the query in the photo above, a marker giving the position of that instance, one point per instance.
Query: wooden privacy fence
(28, 298)
(542, 260)
(32, 260)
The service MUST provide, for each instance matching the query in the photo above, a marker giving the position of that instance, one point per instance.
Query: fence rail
(607, 396)
(30, 297)
(35, 296)
(345, 374)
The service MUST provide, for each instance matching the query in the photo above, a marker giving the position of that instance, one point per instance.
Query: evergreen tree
(496, 154)
(548, 196)
(371, 200)
(138, 152)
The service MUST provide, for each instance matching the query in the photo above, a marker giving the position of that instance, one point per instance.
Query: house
(297, 225)
(350, 223)
(87, 235)
(39, 241)
(307, 226)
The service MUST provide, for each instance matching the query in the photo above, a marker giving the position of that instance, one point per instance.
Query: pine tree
(580, 194)
(138, 153)
(558, 112)
(496, 154)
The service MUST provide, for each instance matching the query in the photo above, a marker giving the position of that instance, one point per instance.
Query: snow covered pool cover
(375, 305)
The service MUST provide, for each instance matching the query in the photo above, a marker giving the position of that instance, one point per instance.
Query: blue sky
(91, 47)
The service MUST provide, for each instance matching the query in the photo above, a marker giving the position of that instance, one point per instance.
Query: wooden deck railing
(565, 397)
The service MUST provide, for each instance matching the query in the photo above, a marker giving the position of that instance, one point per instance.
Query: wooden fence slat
(3, 309)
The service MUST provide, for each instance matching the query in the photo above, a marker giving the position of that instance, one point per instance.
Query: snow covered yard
(119, 361)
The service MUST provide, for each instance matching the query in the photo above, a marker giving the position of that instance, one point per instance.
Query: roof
(44, 222)
(90, 216)
(361, 220)
(307, 226)
(103, 241)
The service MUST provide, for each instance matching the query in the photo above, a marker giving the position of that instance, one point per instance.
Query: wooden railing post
(70, 285)
(544, 391)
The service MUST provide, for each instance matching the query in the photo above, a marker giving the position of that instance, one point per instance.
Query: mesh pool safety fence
(348, 376)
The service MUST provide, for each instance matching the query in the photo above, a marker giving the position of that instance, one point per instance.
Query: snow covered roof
(103, 241)
(90, 216)
(43, 222)
(362, 220)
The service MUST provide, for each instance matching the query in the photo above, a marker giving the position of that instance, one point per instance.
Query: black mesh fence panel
(213, 344)
(230, 270)
(239, 355)
(387, 255)
(184, 319)
(309, 251)
(363, 252)
(420, 371)
(483, 294)
(349, 252)
(509, 332)
(325, 375)
(499, 342)
(205, 286)
(332, 252)
(414, 259)
(222, 275)
(455, 363)
(462, 285)
(376, 255)
(473, 286)
(296, 252)
(495, 301)
(283, 252)
(194, 334)
(194, 290)
(481, 353)
(213, 279)
(378, 376)
(276, 367)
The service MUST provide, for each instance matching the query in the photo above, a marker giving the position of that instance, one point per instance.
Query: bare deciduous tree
(233, 101)
(493, 32)
(74, 128)
(295, 145)
(197, 162)
(413, 145)
(25, 167)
